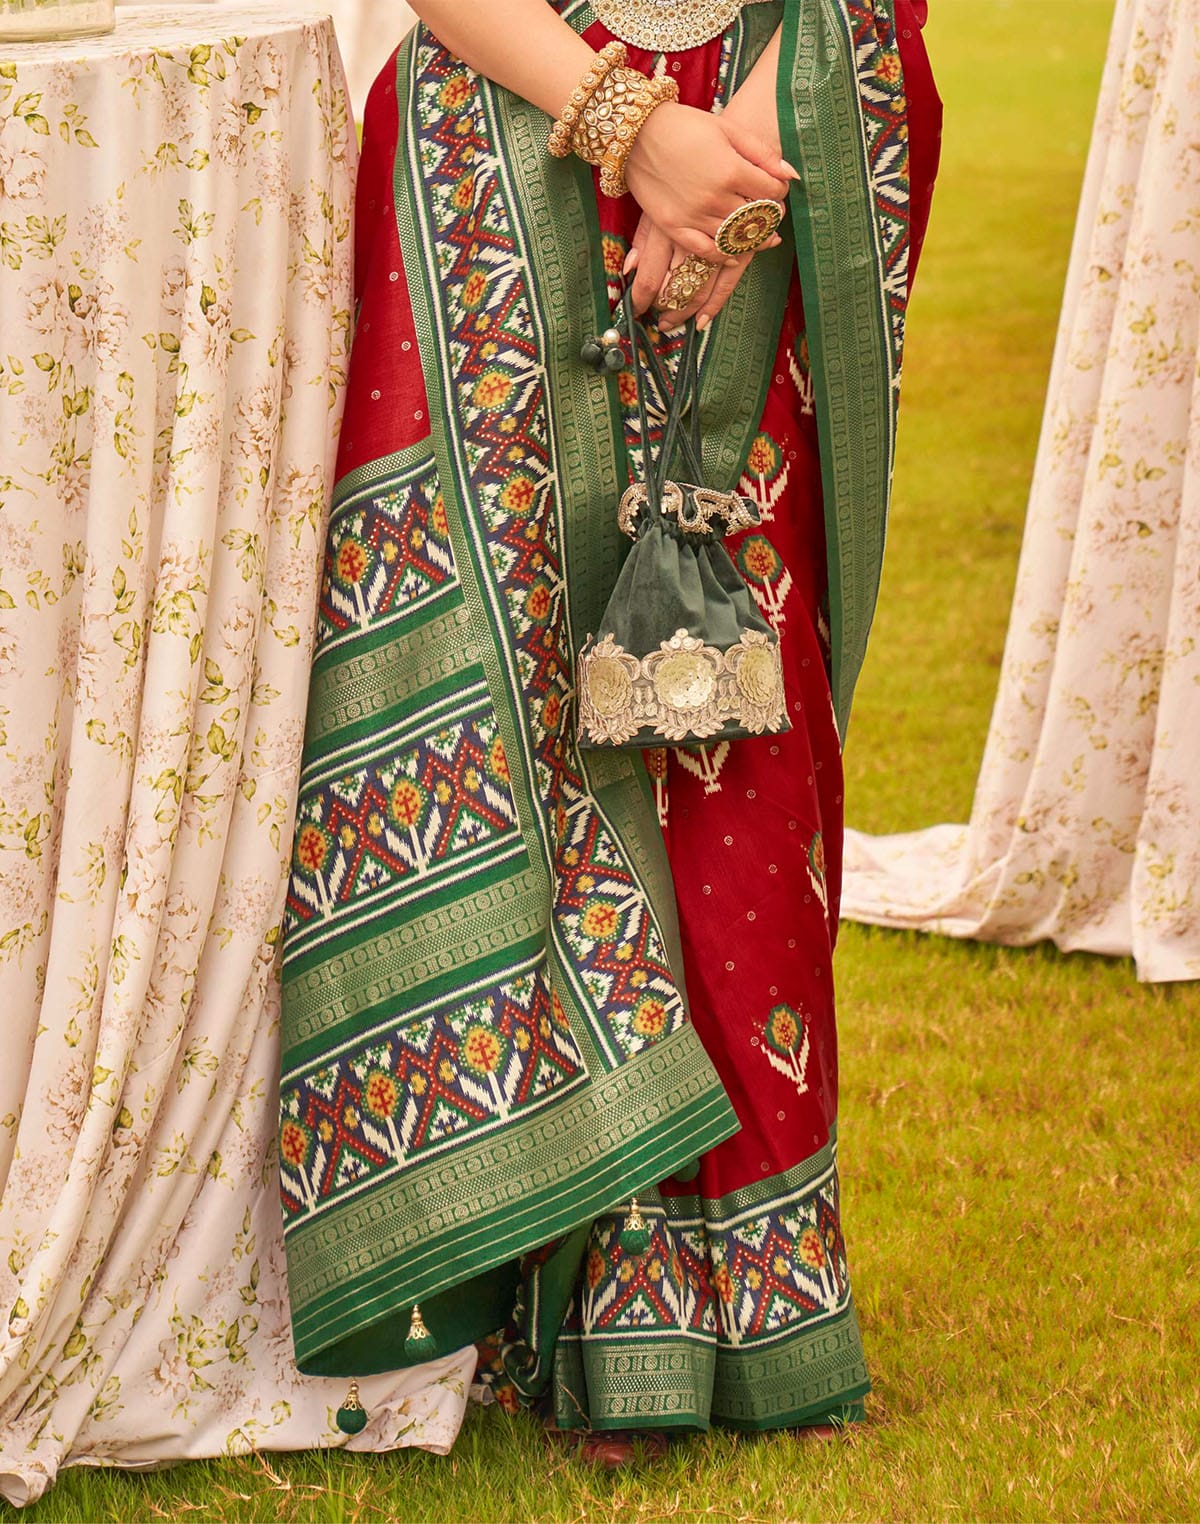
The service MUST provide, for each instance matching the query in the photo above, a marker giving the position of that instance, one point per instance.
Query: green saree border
(358, 689)
(454, 1218)
(756, 1387)
(497, 920)
(658, 1380)
(842, 276)
(352, 690)
(738, 358)
(727, 1211)
(401, 464)
(640, 1385)
(680, 1374)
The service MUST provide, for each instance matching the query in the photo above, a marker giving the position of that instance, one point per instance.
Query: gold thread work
(667, 26)
(697, 510)
(685, 690)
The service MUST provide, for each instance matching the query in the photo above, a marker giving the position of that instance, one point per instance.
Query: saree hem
(416, 1250)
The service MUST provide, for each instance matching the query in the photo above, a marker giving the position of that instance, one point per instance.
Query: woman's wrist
(605, 114)
(570, 130)
(524, 45)
(753, 104)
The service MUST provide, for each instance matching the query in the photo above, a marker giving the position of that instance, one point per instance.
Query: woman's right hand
(689, 169)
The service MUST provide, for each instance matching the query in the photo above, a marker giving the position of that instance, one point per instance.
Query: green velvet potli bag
(683, 654)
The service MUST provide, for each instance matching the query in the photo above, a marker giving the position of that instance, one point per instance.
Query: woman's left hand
(750, 118)
(654, 255)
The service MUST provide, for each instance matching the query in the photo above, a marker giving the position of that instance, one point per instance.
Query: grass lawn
(1021, 1133)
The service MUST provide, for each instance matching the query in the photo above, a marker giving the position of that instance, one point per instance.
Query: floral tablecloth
(367, 33)
(174, 324)
(1086, 823)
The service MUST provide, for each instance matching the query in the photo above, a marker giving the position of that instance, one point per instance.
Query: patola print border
(844, 124)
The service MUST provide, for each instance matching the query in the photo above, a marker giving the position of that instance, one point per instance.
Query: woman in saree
(560, 1069)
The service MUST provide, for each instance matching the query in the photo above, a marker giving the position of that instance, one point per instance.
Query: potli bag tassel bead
(352, 1416)
(635, 1235)
(420, 1343)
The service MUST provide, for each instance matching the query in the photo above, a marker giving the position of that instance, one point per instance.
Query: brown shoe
(825, 1431)
(616, 1449)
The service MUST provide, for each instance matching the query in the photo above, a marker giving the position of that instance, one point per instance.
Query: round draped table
(1086, 823)
(175, 313)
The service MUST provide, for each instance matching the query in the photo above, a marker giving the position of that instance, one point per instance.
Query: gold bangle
(604, 113)
(655, 93)
(611, 56)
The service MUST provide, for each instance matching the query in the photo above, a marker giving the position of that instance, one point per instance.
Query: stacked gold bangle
(605, 113)
(637, 97)
(612, 55)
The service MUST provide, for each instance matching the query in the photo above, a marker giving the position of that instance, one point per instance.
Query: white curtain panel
(1086, 822)
(174, 323)
(367, 33)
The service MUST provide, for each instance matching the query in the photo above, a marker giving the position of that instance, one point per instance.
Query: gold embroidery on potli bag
(667, 26)
(694, 509)
(685, 690)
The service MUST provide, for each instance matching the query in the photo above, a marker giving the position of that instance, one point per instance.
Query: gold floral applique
(685, 690)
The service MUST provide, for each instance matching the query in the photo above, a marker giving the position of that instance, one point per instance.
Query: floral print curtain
(174, 325)
(1086, 822)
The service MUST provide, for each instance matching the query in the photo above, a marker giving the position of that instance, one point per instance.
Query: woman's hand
(653, 255)
(688, 170)
(687, 183)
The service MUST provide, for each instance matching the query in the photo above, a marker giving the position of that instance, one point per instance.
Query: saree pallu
(488, 1040)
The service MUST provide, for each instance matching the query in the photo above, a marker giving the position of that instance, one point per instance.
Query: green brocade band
(843, 124)
(673, 1382)
(674, 1358)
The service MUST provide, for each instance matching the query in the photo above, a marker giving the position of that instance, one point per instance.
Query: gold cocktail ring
(748, 227)
(685, 281)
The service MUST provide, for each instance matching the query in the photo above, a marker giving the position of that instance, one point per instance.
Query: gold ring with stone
(685, 281)
(748, 227)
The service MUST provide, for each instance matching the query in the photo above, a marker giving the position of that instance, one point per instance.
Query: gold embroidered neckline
(667, 26)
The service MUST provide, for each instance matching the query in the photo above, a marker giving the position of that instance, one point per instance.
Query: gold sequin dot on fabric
(685, 680)
(667, 26)
(610, 687)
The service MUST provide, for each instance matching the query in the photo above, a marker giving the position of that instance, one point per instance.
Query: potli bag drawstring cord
(684, 398)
